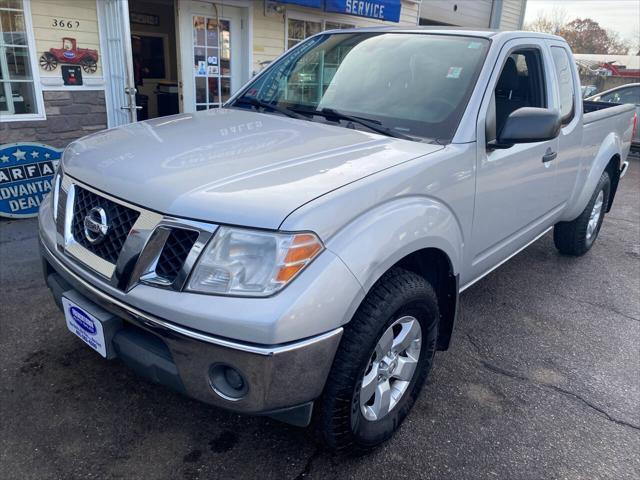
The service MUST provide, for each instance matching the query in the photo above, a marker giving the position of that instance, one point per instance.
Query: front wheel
(383, 360)
(578, 236)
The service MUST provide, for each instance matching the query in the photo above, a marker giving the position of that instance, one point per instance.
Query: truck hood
(231, 166)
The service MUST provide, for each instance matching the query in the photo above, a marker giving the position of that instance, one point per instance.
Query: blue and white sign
(85, 326)
(388, 10)
(26, 172)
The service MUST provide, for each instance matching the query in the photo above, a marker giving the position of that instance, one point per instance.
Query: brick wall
(70, 115)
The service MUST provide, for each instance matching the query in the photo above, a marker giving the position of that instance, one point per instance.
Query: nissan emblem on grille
(95, 225)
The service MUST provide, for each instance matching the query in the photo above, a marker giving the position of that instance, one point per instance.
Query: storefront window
(336, 26)
(306, 85)
(298, 30)
(18, 94)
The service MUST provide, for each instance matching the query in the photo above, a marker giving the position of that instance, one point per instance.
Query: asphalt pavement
(542, 381)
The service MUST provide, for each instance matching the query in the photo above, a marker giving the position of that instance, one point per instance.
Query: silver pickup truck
(299, 253)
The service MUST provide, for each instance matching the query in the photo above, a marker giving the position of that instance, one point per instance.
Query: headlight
(252, 262)
(57, 179)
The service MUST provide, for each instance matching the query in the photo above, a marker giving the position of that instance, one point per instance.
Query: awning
(387, 10)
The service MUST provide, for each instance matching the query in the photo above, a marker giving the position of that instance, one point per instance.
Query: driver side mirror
(528, 125)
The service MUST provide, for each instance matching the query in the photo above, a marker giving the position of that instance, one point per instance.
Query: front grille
(119, 218)
(174, 253)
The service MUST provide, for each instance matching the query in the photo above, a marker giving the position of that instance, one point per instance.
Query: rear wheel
(578, 236)
(89, 65)
(383, 360)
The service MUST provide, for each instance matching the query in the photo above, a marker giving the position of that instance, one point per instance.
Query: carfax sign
(26, 171)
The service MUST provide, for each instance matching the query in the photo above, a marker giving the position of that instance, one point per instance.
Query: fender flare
(378, 239)
(610, 147)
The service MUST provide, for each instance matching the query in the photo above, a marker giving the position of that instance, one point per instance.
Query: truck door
(570, 151)
(514, 204)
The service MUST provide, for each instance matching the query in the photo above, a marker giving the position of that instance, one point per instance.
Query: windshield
(412, 84)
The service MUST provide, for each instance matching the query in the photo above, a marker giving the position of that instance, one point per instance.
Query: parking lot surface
(542, 381)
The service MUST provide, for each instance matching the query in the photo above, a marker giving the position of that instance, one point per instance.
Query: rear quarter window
(564, 76)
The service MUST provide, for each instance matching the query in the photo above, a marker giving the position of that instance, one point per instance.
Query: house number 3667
(62, 23)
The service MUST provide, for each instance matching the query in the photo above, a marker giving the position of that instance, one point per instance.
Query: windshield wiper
(270, 106)
(371, 124)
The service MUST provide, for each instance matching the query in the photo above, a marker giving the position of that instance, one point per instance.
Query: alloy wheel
(594, 217)
(390, 368)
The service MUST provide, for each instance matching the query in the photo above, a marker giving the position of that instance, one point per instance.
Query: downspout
(496, 14)
(523, 9)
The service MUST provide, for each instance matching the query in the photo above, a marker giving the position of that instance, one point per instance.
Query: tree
(587, 36)
(551, 22)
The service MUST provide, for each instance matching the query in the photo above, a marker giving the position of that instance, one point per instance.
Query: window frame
(542, 72)
(37, 86)
(567, 119)
(308, 17)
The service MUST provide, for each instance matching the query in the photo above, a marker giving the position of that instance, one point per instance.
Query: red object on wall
(620, 72)
(70, 54)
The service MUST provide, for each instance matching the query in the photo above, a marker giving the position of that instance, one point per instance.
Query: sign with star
(26, 172)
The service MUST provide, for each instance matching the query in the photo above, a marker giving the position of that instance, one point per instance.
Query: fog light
(227, 382)
(234, 379)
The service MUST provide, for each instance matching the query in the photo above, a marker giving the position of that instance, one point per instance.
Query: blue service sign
(388, 10)
(26, 171)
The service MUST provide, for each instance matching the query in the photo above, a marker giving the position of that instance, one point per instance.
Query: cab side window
(521, 84)
(565, 82)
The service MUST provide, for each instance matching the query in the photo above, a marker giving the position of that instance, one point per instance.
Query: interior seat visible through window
(520, 85)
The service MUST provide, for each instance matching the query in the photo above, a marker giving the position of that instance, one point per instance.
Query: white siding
(512, 14)
(269, 30)
(80, 15)
(463, 13)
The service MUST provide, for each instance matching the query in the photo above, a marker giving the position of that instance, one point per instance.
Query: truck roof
(468, 32)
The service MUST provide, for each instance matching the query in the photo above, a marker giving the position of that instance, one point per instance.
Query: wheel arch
(607, 159)
(613, 169)
(419, 234)
(435, 267)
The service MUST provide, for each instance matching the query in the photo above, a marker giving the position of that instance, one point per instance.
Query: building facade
(73, 67)
(495, 14)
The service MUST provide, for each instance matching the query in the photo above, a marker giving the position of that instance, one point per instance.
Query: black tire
(342, 423)
(571, 238)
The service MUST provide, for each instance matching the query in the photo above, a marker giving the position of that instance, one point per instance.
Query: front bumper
(279, 377)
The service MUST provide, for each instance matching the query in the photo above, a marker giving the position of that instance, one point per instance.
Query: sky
(622, 16)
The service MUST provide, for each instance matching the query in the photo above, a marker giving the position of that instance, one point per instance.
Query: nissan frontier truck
(300, 252)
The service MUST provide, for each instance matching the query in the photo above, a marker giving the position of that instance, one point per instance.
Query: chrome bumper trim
(135, 315)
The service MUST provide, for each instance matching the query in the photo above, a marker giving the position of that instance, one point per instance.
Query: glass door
(211, 61)
(210, 51)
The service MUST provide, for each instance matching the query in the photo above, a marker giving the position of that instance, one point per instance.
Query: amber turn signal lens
(303, 249)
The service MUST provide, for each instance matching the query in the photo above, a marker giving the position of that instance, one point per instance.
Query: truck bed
(596, 111)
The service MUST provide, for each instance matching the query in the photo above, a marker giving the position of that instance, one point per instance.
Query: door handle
(131, 107)
(549, 156)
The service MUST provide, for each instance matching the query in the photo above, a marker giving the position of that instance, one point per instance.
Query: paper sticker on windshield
(454, 72)
(474, 45)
